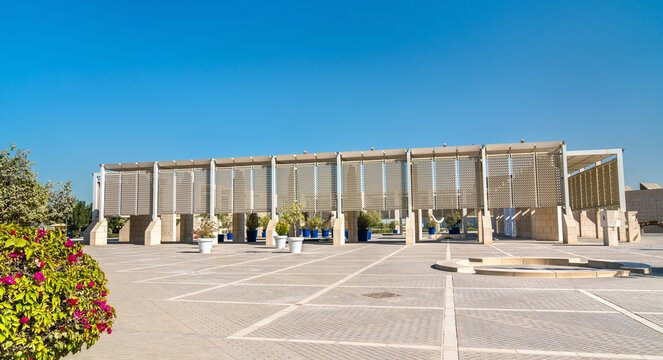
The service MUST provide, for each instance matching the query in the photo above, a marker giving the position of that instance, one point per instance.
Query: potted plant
(452, 222)
(264, 222)
(204, 234)
(431, 225)
(252, 224)
(363, 224)
(223, 222)
(375, 221)
(325, 228)
(281, 228)
(292, 215)
(394, 226)
(313, 223)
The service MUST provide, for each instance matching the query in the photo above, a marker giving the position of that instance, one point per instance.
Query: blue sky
(84, 83)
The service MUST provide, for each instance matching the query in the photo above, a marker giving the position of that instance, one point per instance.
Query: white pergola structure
(525, 185)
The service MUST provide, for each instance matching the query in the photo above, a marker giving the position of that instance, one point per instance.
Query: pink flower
(80, 253)
(24, 320)
(18, 275)
(8, 280)
(72, 302)
(13, 232)
(39, 276)
(103, 293)
(84, 321)
(78, 314)
(109, 330)
(87, 326)
(79, 286)
(102, 326)
(68, 243)
(90, 284)
(72, 259)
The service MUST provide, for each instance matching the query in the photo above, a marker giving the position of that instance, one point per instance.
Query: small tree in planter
(252, 224)
(281, 228)
(264, 222)
(292, 215)
(363, 224)
(224, 223)
(52, 295)
(325, 226)
(205, 234)
(452, 222)
(314, 223)
(431, 225)
(393, 225)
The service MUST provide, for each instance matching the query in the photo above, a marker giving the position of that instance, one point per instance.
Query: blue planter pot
(314, 233)
(230, 236)
(454, 230)
(369, 234)
(346, 234)
(325, 233)
(220, 237)
(431, 231)
(362, 235)
(395, 231)
(300, 232)
(264, 233)
(251, 235)
(307, 233)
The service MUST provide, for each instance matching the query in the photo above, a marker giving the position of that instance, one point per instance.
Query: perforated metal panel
(549, 179)
(373, 185)
(184, 191)
(285, 185)
(603, 185)
(223, 199)
(524, 180)
(422, 184)
(499, 181)
(351, 197)
(242, 190)
(128, 197)
(144, 200)
(112, 194)
(395, 184)
(614, 182)
(446, 192)
(595, 187)
(593, 190)
(326, 186)
(262, 188)
(201, 182)
(306, 186)
(469, 182)
(166, 200)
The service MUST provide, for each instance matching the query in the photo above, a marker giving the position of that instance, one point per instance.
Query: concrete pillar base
(485, 227)
(570, 229)
(239, 228)
(418, 226)
(99, 233)
(632, 227)
(125, 232)
(339, 231)
(153, 233)
(139, 225)
(269, 232)
(168, 228)
(464, 213)
(410, 230)
(351, 223)
(186, 228)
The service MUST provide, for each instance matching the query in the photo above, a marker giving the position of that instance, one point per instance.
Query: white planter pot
(295, 244)
(279, 240)
(205, 245)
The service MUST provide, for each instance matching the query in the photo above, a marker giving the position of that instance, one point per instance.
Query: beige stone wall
(168, 228)
(586, 226)
(649, 205)
(524, 222)
(139, 224)
(547, 224)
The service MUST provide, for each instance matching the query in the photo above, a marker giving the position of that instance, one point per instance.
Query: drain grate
(380, 295)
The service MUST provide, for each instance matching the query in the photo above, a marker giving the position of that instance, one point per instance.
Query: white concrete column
(620, 180)
(565, 180)
(155, 190)
(273, 189)
(484, 188)
(102, 191)
(339, 189)
(408, 175)
(212, 188)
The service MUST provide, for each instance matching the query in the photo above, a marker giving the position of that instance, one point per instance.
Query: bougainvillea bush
(52, 295)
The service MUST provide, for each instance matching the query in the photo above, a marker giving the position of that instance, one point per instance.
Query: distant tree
(60, 203)
(115, 224)
(23, 198)
(80, 217)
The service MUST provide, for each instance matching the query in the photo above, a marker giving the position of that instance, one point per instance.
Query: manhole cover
(381, 295)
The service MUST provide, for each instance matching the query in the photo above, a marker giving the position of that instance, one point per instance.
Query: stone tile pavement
(375, 300)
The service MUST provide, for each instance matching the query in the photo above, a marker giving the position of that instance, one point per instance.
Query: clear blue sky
(84, 83)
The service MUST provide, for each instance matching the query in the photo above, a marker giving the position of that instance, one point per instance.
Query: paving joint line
(449, 349)
(336, 342)
(564, 354)
(307, 299)
(633, 316)
(264, 274)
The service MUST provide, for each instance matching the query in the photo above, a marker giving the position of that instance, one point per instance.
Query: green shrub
(206, 229)
(52, 295)
(282, 227)
(454, 219)
(430, 222)
(313, 223)
(253, 222)
(394, 224)
(326, 225)
(264, 221)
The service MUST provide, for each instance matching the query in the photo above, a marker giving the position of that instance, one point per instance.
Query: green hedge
(52, 295)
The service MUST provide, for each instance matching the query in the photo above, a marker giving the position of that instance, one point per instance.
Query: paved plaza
(375, 300)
